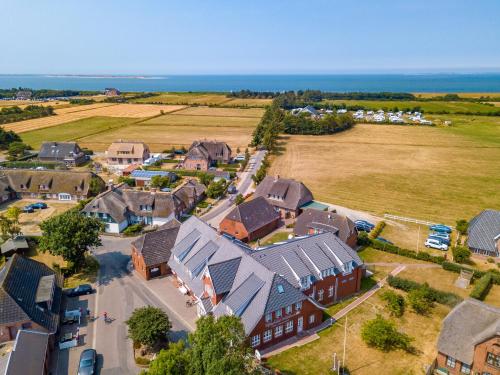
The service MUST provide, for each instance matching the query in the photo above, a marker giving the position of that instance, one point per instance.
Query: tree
(216, 189)
(160, 182)
(420, 300)
(96, 185)
(9, 228)
(17, 150)
(148, 325)
(70, 235)
(239, 199)
(127, 180)
(461, 254)
(205, 178)
(13, 213)
(172, 361)
(395, 302)
(462, 226)
(383, 334)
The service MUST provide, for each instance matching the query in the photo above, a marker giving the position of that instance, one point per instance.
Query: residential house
(6, 191)
(220, 175)
(110, 91)
(309, 110)
(189, 195)
(484, 233)
(151, 251)
(143, 178)
(124, 153)
(204, 154)
(250, 220)
(322, 266)
(24, 95)
(67, 152)
(17, 244)
(312, 221)
(286, 195)
(30, 354)
(30, 297)
(469, 342)
(225, 279)
(51, 184)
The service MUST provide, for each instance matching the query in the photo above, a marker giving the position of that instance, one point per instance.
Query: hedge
(453, 267)
(374, 233)
(439, 296)
(393, 249)
(482, 286)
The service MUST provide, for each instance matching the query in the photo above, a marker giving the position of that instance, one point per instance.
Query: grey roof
(245, 281)
(46, 285)
(468, 324)
(207, 304)
(324, 221)
(29, 353)
(60, 150)
(308, 256)
(155, 247)
(284, 193)
(209, 150)
(220, 174)
(278, 299)
(223, 274)
(484, 231)
(190, 193)
(199, 260)
(254, 214)
(13, 244)
(110, 203)
(19, 282)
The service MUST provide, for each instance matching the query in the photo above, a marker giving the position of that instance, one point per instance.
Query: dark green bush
(393, 249)
(395, 302)
(482, 287)
(133, 229)
(363, 239)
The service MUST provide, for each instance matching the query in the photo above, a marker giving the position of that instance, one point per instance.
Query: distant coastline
(396, 82)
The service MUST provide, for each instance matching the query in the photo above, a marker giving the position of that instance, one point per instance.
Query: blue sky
(219, 36)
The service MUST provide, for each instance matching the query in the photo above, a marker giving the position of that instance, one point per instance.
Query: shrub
(461, 254)
(383, 334)
(148, 325)
(395, 302)
(393, 249)
(375, 232)
(462, 226)
(363, 239)
(133, 229)
(482, 287)
(141, 361)
(420, 300)
(239, 199)
(490, 260)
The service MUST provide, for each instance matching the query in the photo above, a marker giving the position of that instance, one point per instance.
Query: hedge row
(482, 286)
(393, 249)
(444, 298)
(453, 267)
(378, 229)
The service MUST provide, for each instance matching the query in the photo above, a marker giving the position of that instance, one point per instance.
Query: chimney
(276, 177)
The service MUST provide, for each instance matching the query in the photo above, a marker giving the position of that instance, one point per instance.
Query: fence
(409, 219)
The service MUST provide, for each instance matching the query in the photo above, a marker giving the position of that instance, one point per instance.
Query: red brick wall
(345, 289)
(6, 334)
(192, 164)
(305, 312)
(264, 231)
(144, 270)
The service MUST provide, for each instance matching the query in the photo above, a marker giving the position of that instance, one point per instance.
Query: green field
(427, 107)
(200, 98)
(433, 173)
(73, 131)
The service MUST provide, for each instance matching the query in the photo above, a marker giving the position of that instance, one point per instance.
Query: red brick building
(274, 290)
(250, 220)
(469, 342)
(205, 154)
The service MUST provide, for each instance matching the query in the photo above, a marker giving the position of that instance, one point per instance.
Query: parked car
(441, 235)
(232, 189)
(382, 239)
(239, 158)
(80, 290)
(364, 222)
(87, 364)
(435, 244)
(28, 209)
(440, 239)
(440, 228)
(39, 205)
(362, 227)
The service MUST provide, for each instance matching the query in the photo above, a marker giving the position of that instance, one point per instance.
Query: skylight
(280, 289)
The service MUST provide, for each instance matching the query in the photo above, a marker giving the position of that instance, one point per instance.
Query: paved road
(215, 215)
(119, 292)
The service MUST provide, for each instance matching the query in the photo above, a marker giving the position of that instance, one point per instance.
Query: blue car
(361, 227)
(39, 205)
(28, 209)
(440, 239)
(364, 223)
(440, 228)
(382, 239)
(446, 236)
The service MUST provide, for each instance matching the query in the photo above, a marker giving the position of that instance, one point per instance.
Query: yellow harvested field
(186, 98)
(204, 121)
(221, 112)
(249, 102)
(473, 95)
(65, 115)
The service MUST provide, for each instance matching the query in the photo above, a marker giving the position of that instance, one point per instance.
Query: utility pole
(418, 237)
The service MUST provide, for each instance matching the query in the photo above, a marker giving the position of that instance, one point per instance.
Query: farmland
(434, 173)
(69, 114)
(232, 125)
(212, 99)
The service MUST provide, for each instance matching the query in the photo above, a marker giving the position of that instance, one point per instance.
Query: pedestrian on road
(105, 316)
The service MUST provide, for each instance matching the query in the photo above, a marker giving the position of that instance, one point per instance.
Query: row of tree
(14, 114)
(304, 124)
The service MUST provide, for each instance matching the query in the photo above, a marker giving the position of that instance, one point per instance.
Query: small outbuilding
(14, 245)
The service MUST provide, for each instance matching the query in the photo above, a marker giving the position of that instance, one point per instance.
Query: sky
(248, 37)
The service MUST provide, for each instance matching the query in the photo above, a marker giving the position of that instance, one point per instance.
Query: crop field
(74, 113)
(248, 102)
(188, 98)
(221, 112)
(433, 173)
(436, 106)
(469, 95)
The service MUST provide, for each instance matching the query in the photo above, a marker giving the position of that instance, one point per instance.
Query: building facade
(68, 153)
(205, 154)
(124, 153)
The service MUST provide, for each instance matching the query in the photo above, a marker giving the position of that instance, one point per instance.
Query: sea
(436, 82)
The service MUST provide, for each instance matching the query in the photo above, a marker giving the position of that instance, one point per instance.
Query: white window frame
(289, 326)
(330, 291)
(465, 369)
(298, 306)
(288, 309)
(268, 335)
(450, 362)
(320, 294)
(278, 313)
(255, 341)
(269, 318)
(278, 331)
(311, 319)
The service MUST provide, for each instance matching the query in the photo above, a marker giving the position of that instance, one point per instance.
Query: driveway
(118, 292)
(215, 215)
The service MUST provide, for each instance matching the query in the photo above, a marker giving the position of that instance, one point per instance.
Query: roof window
(280, 288)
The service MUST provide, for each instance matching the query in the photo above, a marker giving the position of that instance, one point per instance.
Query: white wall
(163, 220)
(116, 227)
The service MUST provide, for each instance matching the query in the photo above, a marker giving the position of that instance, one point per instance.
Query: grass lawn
(371, 255)
(434, 173)
(276, 237)
(316, 357)
(435, 106)
(73, 131)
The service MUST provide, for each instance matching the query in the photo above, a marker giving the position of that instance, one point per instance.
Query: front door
(300, 324)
